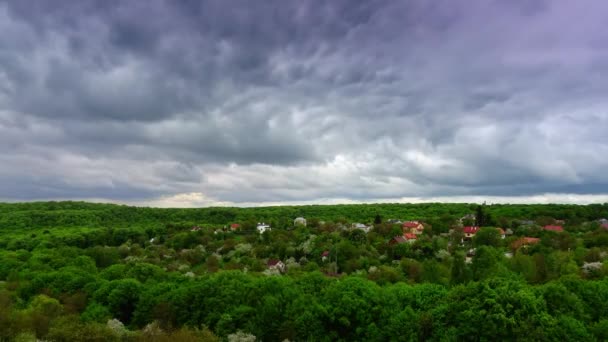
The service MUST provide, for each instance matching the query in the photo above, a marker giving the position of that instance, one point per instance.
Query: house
(552, 228)
(605, 226)
(324, 256)
(602, 221)
(526, 222)
(560, 222)
(195, 229)
(394, 221)
(235, 226)
(470, 255)
(509, 231)
(262, 227)
(467, 217)
(501, 232)
(362, 227)
(410, 237)
(397, 240)
(524, 242)
(276, 265)
(299, 221)
(414, 227)
(470, 231)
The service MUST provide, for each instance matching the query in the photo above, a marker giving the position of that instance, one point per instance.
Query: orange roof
(524, 241)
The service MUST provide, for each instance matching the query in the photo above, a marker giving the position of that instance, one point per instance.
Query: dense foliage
(74, 271)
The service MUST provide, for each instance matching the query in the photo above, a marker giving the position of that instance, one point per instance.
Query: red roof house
(397, 240)
(410, 237)
(470, 231)
(605, 226)
(324, 255)
(276, 264)
(554, 228)
(413, 227)
(235, 226)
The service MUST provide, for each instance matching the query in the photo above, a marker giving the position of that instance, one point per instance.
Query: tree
(459, 270)
(212, 264)
(378, 219)
(121, 296)
(487, 237)
(434, 272)
(479, 216)
(485, 262)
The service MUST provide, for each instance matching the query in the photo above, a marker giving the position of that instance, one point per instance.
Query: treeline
(308, 307)
(82, 214)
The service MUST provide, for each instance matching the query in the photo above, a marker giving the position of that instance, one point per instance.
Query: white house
(299, 221)
(262, 227)
(276, 265)
(325, 256)
(362, 227)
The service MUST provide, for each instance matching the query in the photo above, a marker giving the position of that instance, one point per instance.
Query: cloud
(161, 101)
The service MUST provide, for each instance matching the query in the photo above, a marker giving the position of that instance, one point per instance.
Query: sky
(205, 103)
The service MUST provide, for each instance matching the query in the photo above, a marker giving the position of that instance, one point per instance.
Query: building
(235, 226)
(524, 242)
(501, 232)
(470, 231)
(325, 256)
(414, 227)
(410, 237)
(299, 221)
(526, 222)
(195, 229)
(263, 227)
(467, 217)
(276, 265)
(552, 228)
(397, 240)
(362, 227)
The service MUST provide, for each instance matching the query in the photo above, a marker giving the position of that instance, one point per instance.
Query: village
(412, 236)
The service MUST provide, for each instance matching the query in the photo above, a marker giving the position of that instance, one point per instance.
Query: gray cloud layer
(302, 101)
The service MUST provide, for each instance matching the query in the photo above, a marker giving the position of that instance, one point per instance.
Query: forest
(78, 271)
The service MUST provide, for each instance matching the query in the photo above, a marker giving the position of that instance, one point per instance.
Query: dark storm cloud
(289, 101)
